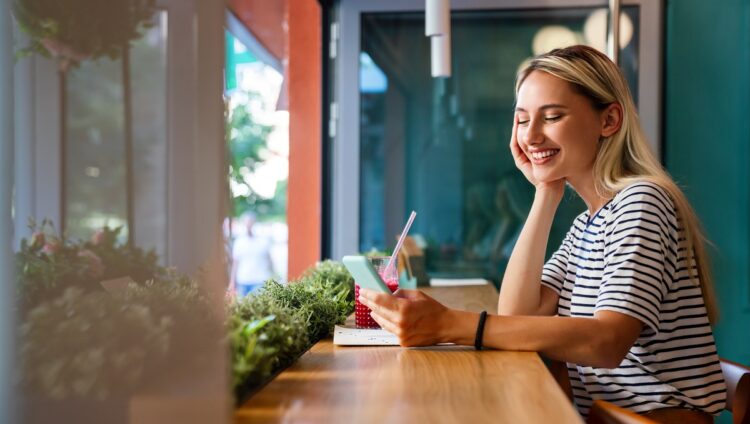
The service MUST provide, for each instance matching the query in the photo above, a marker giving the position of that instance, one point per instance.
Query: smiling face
(558, 128)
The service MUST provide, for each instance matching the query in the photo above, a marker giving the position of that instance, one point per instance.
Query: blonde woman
(619, 301)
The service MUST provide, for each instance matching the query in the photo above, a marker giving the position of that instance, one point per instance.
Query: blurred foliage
(162, 320)
(74, 30)
(47, 264)
(68, 348)
(248, 147)
(78, 338)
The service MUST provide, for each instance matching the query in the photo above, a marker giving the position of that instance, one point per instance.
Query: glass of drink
(362, 318)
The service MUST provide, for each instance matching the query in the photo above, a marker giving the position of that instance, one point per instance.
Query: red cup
(362, 318)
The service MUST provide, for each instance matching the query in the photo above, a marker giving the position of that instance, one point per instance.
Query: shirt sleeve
(556, 268)
(639, 241)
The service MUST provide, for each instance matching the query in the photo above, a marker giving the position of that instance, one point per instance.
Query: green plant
(96, 344)
(161, 319)
(332, 279)
(318, 311)
(78, 340)
(68, 346)
(179, 298)
(47, 263)
(74, 30)
(264, 337)
(270, 329)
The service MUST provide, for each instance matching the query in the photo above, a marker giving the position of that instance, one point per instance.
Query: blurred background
(163, 158)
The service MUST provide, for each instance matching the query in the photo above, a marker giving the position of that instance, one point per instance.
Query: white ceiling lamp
(440, 46)
(595, 30)
(438, 28)
(437, 20)
(553, 37)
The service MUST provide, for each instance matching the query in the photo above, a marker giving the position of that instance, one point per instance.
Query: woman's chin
(546, 177)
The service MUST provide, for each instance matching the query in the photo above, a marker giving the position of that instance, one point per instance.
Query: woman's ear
(611, 119)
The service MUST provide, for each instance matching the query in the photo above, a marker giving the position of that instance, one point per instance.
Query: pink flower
(93, 262)
(37, 240)
(51, 247)
(59, 49)
(98, 237)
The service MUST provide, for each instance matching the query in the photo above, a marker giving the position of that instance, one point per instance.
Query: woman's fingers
(409, 314)
(384, 323)
(519, 157)
(377, 297)
(409, 294)
(515, 148)
(385, 305)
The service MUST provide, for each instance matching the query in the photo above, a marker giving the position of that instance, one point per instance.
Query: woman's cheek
(520, 136)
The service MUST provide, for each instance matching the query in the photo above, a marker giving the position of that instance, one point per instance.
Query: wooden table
(392, 384)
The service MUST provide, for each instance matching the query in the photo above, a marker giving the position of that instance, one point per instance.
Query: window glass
(95, 162)
(440, 146)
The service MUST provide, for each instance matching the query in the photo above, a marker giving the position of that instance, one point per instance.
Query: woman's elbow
(507, 310)
(610, 360)
(514, 310)
(608, 353)
(506, 307)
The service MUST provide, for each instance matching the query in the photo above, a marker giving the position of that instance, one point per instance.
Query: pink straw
(400, 242)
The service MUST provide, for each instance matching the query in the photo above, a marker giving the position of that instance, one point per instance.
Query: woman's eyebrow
(545, 107)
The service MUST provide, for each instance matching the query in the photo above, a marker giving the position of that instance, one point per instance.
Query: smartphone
(364, 273)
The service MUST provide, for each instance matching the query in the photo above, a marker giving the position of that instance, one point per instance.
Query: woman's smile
(542, 156)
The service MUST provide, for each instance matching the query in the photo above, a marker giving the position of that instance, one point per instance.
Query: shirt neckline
(590, 219)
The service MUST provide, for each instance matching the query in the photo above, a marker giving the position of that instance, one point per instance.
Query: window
(406, 141)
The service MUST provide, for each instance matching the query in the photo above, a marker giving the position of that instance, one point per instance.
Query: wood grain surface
(397, 385)
(337, 384)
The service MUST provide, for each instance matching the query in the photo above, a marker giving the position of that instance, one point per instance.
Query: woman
(617, 302)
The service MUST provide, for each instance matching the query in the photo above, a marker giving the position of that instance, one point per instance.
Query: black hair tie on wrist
(480, 331)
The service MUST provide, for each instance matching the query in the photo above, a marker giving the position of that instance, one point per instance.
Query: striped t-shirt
(628, 258)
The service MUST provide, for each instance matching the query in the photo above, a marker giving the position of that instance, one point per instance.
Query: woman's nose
(533, 134)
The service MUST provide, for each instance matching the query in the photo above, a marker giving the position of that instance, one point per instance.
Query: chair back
(603, 412)
(737, 378)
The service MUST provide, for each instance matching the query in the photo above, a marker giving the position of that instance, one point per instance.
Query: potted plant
(74, 30)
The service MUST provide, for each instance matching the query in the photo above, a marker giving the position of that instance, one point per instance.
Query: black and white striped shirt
(627, 258)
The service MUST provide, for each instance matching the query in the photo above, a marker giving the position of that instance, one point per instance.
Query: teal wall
(707, 132)
(707, 129)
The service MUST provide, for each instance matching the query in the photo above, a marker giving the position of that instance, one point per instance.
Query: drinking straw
(400, 242)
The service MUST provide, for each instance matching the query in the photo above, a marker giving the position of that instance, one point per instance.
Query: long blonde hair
(625, 157)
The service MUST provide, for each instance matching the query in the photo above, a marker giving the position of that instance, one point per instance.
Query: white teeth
(544, 154)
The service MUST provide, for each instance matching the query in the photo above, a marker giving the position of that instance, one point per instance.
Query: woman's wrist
(550, 193)
(459, 327)
(547, 196)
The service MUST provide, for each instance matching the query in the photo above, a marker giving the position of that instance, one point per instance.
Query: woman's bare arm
(419, 320)
(521, 292)
(601, 341)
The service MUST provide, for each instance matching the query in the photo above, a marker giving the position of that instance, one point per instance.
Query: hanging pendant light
(438, 28)
(437, 17)
(440, 49)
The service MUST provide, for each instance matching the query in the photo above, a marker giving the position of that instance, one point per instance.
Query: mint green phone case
(364, 274)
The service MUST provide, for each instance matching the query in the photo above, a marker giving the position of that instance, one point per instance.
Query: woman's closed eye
(550, 118)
